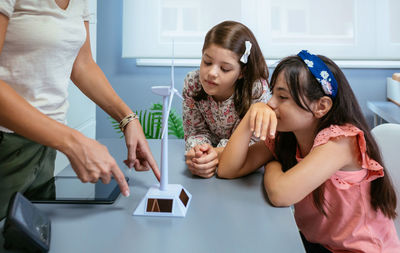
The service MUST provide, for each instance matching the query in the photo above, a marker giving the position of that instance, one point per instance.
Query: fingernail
(126, 193)
(272, 134)
(263, 138)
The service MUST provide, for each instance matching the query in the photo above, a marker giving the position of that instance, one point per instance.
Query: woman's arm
(288, 188)
(90, 79)
(89, 159)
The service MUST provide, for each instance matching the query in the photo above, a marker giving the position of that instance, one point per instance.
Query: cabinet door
(81, 113)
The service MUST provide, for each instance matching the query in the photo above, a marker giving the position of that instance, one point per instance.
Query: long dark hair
(304, 87)
(232, 35)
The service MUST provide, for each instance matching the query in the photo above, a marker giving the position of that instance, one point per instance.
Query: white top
(40, 47)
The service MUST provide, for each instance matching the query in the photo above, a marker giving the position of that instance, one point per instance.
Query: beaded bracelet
(128, 118)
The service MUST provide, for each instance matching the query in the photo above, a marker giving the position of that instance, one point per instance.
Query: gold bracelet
(128, 118)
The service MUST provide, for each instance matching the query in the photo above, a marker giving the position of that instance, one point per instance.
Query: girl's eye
(225, 70)
(282, 97)
(207, 63)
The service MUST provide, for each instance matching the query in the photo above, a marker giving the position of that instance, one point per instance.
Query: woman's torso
(41, 43)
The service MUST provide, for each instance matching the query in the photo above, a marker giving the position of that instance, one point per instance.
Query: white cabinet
(82, 111)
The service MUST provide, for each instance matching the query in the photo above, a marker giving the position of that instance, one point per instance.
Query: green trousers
(25, 166)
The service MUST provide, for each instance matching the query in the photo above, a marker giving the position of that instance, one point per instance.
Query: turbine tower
(165, 199)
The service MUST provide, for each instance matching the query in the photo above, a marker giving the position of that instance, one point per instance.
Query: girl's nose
(272, 103)
(213, 71)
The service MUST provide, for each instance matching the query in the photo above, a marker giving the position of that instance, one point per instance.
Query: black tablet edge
(113, 197)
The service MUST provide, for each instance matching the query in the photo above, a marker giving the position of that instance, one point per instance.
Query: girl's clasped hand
(202, 160)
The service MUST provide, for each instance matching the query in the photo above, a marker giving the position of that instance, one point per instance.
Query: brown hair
(345, 109)
(232, 35)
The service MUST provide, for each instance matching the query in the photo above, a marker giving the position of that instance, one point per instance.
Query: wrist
(126, 120)
(70, 141)
(117, 110)
(219, 151)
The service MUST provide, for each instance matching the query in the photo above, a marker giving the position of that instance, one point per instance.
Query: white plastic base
(174, 201)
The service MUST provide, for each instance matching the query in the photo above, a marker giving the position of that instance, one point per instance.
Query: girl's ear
(322, 106)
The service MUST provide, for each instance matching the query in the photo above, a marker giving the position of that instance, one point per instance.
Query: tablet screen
(69, 189)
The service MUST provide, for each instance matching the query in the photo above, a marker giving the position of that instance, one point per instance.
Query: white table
(224, 216)
(386, 110)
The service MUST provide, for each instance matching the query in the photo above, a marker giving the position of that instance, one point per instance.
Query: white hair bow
(246, 52)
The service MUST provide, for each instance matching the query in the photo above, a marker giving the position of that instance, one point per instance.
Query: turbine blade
(178, 94)
(172, 66)
(172, 76)
(165, 125)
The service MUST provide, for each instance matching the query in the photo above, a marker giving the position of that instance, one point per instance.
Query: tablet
(70, 190)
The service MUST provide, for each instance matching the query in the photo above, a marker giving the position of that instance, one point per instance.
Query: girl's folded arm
(288, 188)
(238, 159)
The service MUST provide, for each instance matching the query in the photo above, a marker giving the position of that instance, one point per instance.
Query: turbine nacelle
(161, 90)
(165, 91)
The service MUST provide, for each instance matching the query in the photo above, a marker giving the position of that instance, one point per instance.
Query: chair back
(387, 137)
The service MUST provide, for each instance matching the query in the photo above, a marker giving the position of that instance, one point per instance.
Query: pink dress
(352, 225)
(209, 121)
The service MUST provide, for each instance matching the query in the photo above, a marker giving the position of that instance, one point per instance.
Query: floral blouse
(209, 121)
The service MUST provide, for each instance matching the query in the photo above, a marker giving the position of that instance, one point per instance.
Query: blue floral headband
(321, 72)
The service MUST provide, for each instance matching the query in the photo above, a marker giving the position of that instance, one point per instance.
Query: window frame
(358, 51)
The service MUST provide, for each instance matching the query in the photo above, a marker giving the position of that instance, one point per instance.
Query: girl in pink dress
(232, 76)
(320, 157)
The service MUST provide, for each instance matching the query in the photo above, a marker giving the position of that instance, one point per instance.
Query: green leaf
(175, 125)
(151, 122)
(157, 107)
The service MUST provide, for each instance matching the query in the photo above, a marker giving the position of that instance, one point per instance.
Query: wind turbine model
(166, 199)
